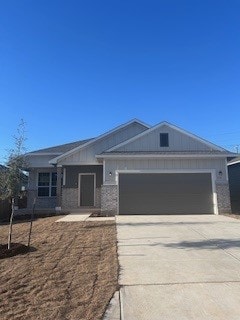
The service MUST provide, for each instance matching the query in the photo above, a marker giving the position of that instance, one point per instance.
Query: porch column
(59, 188)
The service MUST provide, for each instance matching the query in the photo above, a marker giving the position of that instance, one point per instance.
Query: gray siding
(87, 155)
(234, 186)
(38, 161)
(164, 164)
(177, 142)
(72, 173)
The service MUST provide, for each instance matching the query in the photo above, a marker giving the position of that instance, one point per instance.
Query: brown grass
(72, 274)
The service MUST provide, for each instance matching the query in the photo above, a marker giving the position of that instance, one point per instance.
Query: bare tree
(11, 179)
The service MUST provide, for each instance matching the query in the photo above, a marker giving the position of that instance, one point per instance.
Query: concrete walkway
(78, 217)
(179, 267)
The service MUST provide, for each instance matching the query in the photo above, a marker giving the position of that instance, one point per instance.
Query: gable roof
(60, 149)
(74, 150)
(234, 161)
(165, 123)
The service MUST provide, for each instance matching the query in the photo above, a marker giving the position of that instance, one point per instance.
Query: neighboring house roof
(234, 161)
(165, 123)
(61, 148)
(76, 149)
(3, 168)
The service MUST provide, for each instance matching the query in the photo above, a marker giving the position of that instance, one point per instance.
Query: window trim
(50, 186)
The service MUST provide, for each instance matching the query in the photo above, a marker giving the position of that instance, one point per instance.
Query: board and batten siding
(164, 164)
(177, 142)
(87, 155)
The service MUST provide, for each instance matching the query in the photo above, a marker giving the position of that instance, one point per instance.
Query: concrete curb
(113, 309)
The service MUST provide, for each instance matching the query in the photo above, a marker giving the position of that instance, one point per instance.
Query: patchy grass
(72, 274)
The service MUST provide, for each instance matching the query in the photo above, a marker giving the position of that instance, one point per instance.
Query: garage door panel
(165, 193)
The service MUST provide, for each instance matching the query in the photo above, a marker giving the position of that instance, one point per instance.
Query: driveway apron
(179, 267)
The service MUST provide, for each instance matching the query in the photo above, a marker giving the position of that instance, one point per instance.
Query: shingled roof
(61, 148)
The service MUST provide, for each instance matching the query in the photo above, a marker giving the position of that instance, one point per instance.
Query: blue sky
(74, 69)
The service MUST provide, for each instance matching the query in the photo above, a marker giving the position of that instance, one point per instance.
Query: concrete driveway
(179, 267)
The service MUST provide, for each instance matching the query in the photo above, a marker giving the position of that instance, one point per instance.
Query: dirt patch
(15, 249)
(99, 214)
(231, 215)
(72, 274)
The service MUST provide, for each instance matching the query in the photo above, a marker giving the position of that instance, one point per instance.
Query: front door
(86, 189)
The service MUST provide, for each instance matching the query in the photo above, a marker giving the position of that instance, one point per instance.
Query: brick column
(59, 188)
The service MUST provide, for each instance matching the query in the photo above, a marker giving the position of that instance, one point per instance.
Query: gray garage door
(167, 193)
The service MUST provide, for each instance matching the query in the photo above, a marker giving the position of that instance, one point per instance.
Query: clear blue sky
(74, 69)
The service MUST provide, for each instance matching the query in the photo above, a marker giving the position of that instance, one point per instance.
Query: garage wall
(164, 164)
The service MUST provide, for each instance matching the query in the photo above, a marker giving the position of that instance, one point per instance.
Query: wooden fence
(5, 207)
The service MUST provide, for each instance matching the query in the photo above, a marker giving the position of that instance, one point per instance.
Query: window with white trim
(47, 184)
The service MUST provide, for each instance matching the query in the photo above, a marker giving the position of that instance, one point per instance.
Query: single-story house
(234, 184)
(133, 169)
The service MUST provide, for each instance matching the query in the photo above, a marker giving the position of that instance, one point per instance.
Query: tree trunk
(10, 225)
(31, 221)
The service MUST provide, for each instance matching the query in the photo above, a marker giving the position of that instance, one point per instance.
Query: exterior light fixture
(220, 173)
(110, 173)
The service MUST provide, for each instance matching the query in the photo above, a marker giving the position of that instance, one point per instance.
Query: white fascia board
(165, 123)
(64, 155)
(152, 156)
(234, 162)
(79, 164)
(42, 154)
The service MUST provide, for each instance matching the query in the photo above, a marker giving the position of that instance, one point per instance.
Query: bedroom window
(47, 184)
(164, 141)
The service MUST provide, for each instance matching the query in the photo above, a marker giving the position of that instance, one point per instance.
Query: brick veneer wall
(109, 198)
(69, 198)
(223, 198)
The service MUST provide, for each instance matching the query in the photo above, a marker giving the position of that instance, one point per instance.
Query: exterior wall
(98, 198)
(109, 199)
(72, 173)
(163, 164)
(219, 165)
(32, 190)
(87, 155)
(70, 190)
(177, 142)
(223, 198)
(41, 203)
(234, 185)
(69, 198)
(39, 161)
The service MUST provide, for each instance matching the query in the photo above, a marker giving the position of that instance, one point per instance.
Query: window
(47, 184)
(164, 141)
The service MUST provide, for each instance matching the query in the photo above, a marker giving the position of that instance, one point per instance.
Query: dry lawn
(71, 275)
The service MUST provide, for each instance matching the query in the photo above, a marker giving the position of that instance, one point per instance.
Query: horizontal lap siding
(164, 164)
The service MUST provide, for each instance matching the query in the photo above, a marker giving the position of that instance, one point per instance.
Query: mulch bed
(15, 248)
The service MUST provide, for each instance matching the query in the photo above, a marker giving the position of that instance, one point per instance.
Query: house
(133, 169)
(234, 184)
